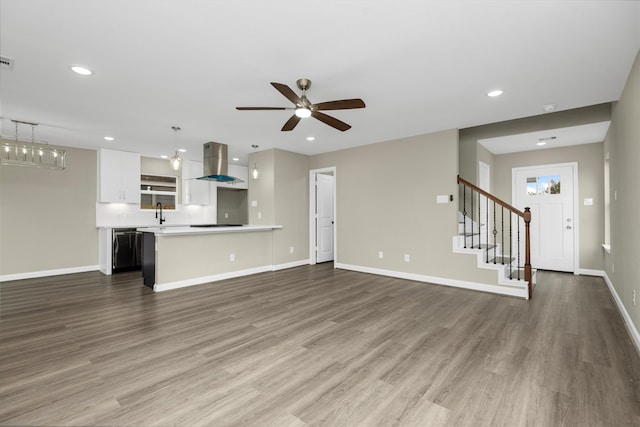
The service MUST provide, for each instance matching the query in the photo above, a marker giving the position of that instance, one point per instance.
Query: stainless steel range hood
(216, 163)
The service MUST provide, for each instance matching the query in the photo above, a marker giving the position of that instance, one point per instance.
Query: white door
(324, 220)
(549, 192)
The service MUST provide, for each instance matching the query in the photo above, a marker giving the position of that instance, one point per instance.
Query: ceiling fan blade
(343, 104)
(291, 123)
(331, 121)
(260, 108)
(287, 92)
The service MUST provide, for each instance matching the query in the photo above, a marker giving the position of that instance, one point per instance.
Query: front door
(324, 221)
(549, 192)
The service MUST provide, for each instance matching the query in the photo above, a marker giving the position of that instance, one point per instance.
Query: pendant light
(175, 160)
(254, 172)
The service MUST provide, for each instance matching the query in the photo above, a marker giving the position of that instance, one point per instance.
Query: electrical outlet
(259, 215)
(407, 258)
(380, 255)
(634, 297)
(226, 215)
(291, 249)
(232, 257)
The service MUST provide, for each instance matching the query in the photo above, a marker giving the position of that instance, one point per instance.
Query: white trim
(483, 287)
(292, 264)
(589, 272)
(576, 206)
(312, 212)
(211, 278)
(44, 273)
(628, 323)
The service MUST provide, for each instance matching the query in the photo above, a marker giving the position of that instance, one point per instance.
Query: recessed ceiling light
(235, 159)
(182, 150)
(109, 138)
(311, 138)
(541, 143)
(549, 108)
(82, 70)
(164, 156)
(494, 93)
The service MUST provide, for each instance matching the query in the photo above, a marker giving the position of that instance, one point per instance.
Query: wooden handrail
(491, 197)
(526, 216)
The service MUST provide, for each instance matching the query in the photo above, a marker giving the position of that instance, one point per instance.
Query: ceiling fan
(304, 108)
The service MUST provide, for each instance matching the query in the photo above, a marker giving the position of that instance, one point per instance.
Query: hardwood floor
(313, 346)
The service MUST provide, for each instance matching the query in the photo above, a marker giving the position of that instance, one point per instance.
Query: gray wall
(281, 193)
(233, 203)
(623, 145)
(47, 217)
(386, 201)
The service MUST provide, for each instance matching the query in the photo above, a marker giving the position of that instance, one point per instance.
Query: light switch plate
(254, 203)
(588, 202)
(442, 198)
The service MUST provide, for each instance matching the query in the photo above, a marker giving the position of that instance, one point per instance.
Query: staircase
(497, 234)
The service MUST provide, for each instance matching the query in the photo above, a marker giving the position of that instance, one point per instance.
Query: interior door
(324, 219)
(549, 192)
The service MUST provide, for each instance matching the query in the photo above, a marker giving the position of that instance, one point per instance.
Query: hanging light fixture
(31, 153)
(175, 160)
(254, 172)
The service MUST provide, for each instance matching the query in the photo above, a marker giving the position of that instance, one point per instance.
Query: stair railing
(473, 195)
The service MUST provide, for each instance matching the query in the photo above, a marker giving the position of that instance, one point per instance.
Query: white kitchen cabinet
(118, 176)
(194, 191)
(237, 171)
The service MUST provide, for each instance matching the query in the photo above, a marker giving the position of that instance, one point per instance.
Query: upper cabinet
(237, 171)
(194, 191)
(118, 176)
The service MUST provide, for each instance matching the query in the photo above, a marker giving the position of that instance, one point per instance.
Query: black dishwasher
(127, 243)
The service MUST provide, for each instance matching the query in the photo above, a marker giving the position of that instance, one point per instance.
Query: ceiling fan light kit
(304, 108)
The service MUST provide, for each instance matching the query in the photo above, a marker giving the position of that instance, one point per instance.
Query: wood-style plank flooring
(313, 346)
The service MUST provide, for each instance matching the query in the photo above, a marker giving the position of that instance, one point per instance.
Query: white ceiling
(552, 138)
(420, 66)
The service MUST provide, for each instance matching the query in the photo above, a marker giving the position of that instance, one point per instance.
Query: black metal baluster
(471, 197)
(502, 235)
(464, 214)
(495, 233)
(479, 221)
(486, 229)
(510, 244)
(518, 266)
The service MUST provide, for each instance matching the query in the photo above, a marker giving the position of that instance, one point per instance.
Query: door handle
(569, 227)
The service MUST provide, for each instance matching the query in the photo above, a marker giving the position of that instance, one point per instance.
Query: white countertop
(180, 231)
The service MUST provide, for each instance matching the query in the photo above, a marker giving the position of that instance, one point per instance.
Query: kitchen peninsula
(175, 257)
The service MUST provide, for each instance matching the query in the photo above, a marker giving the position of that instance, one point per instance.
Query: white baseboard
(588, 272)
(211, 278)
(628, 323)
(483, 287)
(44, 273)
(292, 264)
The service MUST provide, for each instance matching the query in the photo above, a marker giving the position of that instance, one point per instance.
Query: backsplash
(130, 215)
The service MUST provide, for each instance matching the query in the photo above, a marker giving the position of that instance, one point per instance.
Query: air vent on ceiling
(6, 63)
(548, 139)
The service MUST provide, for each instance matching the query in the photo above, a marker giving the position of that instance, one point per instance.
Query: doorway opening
(322, 214)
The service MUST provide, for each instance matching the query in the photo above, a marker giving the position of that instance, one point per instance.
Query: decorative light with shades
(32, 153)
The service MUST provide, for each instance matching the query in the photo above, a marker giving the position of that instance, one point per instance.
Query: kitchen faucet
(159, 206)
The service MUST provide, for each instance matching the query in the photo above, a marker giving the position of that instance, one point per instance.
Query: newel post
(527, 251)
